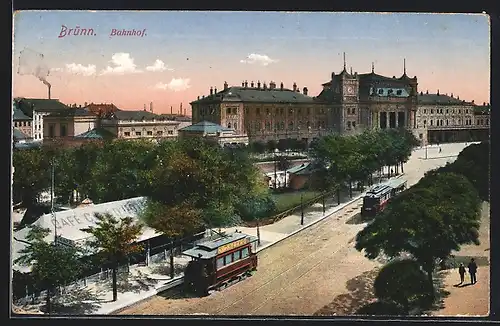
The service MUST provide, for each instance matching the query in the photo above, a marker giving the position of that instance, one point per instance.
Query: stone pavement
(145, 281)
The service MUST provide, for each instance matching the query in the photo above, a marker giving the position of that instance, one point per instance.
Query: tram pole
(323, 199)
(258, 232)
(301, 208)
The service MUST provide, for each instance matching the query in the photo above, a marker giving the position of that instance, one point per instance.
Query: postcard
(250, 163)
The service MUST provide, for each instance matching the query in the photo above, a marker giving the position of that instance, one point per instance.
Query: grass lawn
(289, 200)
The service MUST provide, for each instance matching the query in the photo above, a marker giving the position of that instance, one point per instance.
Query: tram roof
(208, 249)
(396, 183)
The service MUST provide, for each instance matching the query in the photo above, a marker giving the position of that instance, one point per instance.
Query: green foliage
(113, 238)
(256, 207)
(173, 221)
(271, 145)
(401, 281)
(381, 308)
(437, 215)
(31, 174)
(473, 162)
(51, 265)
(257, 147)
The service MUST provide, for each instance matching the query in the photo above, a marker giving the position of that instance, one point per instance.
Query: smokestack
(181, 108)
(171, 110)
(151, 107)
(48, 86)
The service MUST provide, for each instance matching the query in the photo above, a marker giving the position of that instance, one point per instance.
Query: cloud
(158, 66)
(79, 69)
(176, 84)
(123, 64)
(261, 59)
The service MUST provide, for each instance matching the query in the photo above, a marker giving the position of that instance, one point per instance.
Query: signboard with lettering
(232, 245)
(65, 242)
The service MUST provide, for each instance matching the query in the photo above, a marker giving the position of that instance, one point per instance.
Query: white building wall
(84, 126)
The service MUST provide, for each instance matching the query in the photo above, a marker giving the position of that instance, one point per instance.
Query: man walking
(472, 271)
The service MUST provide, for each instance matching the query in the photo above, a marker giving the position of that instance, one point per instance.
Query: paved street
(303, 273)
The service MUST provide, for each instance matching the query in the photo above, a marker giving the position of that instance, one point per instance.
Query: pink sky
(446, 52)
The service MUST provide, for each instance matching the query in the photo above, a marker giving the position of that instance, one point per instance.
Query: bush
(381, 308)
(401, 281)
(253, 208)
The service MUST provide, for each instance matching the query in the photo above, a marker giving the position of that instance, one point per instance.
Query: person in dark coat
(472, 271)
(461, 271)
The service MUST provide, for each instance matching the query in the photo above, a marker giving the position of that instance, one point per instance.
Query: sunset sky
(182, 54)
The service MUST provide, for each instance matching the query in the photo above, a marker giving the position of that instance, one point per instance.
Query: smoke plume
(32, 63)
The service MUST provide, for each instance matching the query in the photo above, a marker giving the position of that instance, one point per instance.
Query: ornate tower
(348, 89)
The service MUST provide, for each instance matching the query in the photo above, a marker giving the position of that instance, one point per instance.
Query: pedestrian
(439, 149)
(461, 271)
(472, 271)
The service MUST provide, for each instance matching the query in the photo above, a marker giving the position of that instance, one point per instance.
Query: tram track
(309, 241)
(303, 261)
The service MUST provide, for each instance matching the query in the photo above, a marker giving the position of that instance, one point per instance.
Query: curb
(180, 279)
(335, 210)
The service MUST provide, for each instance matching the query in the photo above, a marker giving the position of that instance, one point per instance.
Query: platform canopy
(71, 222)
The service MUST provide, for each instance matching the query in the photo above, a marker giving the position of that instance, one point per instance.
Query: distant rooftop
(96, 133)
(206, 127)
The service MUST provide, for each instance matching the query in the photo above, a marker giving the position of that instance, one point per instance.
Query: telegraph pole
(52, 202)
(301, 208)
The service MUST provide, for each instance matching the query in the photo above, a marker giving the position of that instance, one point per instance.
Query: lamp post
(52, 195)
(426, 144)
(258, 232)
(323, 202)
(301, 208)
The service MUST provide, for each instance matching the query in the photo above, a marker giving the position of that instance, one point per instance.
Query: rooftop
(96, 133)
(18, 115)
(205, 127)
(208, 249)
(27, 105)
(134, 115)
(426, 98)
(256, 94)
(19, 135)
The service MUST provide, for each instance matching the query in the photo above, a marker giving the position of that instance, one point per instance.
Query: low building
(140, 124)
(22, 122)
(299, 176)
(37, 110)
(209, 130)
(69, 123)
(446, 118)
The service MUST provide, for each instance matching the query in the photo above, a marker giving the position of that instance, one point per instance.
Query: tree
(401, 281)
(429, 220)
(381, 308)
(173, 221)
(258, 147)
(256, 207)
(114, 240)
(31, 175)
(51, 265)
(271, 145)
(283, 163)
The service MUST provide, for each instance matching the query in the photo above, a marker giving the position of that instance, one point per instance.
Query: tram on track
(221, 262)
(376, 198)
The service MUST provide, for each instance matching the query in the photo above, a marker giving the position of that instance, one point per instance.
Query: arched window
(229, 125)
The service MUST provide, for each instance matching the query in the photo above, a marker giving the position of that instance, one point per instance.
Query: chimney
(451, 95)
(246, 83)
(85, 104)
(258, 84)
(304, 91)
(211, 90)
(151, 107)
(225, 85)
(472, 101)
(438, 92)
(458, 97)
(215, 90)
(281, 86)
(144, 107)
(242, 84)
(294, 87)
(80, 106)
(298, 89)
(198, 97)
(484, 103)
(264, 86)
(181, 108)
(251, 84)
(48, 86)
(272, 85)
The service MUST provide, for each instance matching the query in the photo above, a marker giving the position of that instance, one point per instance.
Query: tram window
(228, 259)
(220, 262)
(244, 253)
(237, 255)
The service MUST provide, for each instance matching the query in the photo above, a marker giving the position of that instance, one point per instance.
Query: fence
(25, 293)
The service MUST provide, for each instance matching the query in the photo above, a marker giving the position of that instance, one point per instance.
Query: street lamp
(426, 144)
(301, 208)
(323, 200)
(258, 232)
